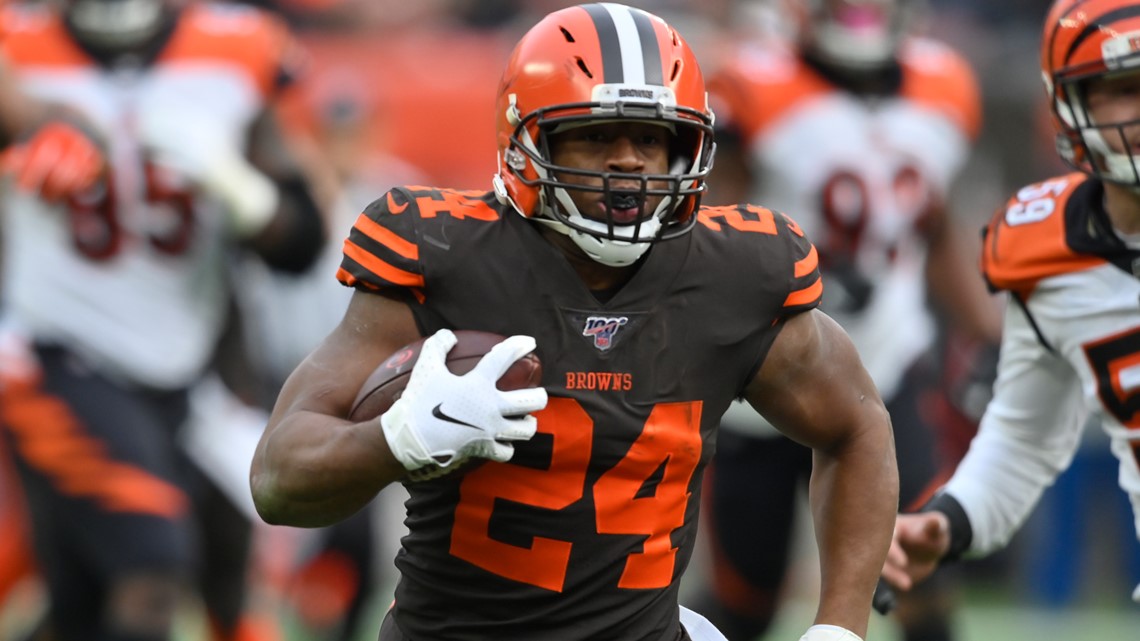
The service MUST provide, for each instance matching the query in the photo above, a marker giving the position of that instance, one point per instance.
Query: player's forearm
(1001, 479)
(313, 470)
(292, 240)
(854, 497)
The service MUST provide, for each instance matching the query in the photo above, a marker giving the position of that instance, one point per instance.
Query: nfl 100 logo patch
(603, 329)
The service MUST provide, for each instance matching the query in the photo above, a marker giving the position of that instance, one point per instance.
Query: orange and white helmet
(1083, 40)
(853, 34)
(598, 63)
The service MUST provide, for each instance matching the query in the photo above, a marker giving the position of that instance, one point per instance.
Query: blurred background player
(1066, 249)
(341, 569)
(858, 128)
(121, 290)
(47, 154)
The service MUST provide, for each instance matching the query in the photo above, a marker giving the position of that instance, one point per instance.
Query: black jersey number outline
(669, 445)
(1108, 358)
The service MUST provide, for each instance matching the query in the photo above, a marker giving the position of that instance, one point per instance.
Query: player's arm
(1027, 436)
(51, 150)
(953, 280)
(813, 387)
(17, 110)
(312, 466)
(294, 233)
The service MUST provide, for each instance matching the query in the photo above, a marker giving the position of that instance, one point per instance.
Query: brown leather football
(385, 385)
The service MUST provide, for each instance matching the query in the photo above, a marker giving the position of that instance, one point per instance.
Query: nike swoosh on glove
(443, 419)
(58, 161)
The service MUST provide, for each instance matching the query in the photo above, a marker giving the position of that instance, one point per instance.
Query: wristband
(249, 195)
(824, 632)
(961, 532)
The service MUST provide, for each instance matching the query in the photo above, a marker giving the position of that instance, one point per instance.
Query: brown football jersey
(585, 533)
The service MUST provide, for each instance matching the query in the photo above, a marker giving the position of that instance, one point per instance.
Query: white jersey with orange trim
(132, 276)
(1070, 349)
(858, 173)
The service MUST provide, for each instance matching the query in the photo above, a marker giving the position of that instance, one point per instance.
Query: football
(387, 382)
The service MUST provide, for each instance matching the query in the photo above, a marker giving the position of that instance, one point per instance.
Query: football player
(856, 126)
(46, 153)
(120, 289)
(1065, 249)
(569, 511)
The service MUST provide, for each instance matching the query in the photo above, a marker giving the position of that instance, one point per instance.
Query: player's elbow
(266, 500)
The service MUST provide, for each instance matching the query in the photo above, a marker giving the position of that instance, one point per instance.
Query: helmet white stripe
(632, 61)
(629, 44)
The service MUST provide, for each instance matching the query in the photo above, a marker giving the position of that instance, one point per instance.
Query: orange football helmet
(600, 63)
(1083, 40)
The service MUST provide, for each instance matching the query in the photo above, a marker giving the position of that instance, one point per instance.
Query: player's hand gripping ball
(454, 396)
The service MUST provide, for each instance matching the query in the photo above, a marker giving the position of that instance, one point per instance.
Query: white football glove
(443, 419)
(213, 159)
(822, 632)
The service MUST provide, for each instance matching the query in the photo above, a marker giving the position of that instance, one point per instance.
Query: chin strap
(612, 253)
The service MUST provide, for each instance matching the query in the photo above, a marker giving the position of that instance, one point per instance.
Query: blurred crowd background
(402, 91)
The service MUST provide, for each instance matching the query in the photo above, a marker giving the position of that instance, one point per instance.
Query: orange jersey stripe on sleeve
(807, 264)
(386, 237)
(809, 295)
(380, 268)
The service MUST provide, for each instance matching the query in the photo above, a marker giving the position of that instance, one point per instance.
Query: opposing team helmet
(599, 63)
(854, 34)
(1084, 40)
(118, 26)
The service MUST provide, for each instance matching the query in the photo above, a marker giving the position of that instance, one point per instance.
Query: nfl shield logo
(603, 328)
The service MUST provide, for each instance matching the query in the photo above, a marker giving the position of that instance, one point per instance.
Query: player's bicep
(812, 385)
(327, 381)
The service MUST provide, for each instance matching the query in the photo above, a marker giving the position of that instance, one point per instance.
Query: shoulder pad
(781, 247)
(939, 77)
(1026, 241)
(34, 35)
(383, 249)
(249, 38)
(759, 84)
